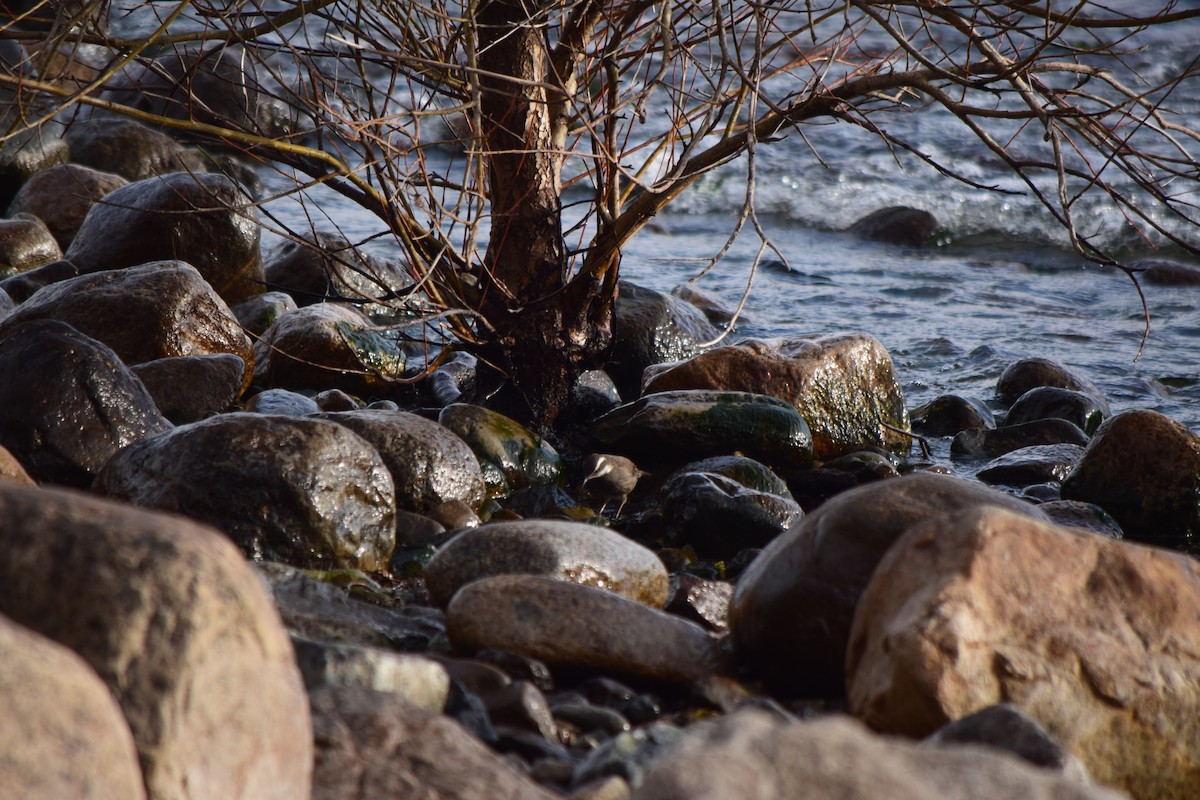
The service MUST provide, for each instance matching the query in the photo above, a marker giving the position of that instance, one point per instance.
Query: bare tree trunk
(549, 327)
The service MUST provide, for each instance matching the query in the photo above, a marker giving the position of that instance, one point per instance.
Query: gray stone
(422, 681)
(190, 388)
(60, 196)
(128, 149)
(653, 328)
(260, 312)
(282, 402)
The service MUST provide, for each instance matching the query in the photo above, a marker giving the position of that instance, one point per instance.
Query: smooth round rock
(261, 311)
(980, 443)
(306, 491)
(282, 401)
(902, 225)
(60, 196)
(511, 456)
(570, 624)
(128, 149)
(948, 414)
(190, 388)
(1046, 402)
(568, 551)
(653, 328)
(1030, 465)
(1031, 373)
(25, 243)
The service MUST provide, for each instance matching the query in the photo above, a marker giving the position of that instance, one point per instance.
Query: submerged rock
(306, 491)
(844, 386)
(902, 225)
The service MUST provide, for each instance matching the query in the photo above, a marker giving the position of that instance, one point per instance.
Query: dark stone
(1049, 402)
(25, 244)
(326, 266)
(282, 401)
(949, 414)
(25, 152)
(203, 219)
(510, 455)
(1006, 727)
(190, 388)
(61, 195)
(706, 304)
(128, 149)
(67, 403)
(1088, 516)
(1168, 273)
(1029, 465)
(334, 400)
(702, 601)
(305, 491)
(902, 225)
(594, 394)
(1031, 373)
(628, 754)
(263, 310)
(1144, 469)
(23, 286)
(980, 443)
(652, 328)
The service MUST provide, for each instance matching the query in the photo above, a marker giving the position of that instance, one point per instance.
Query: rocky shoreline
(245, 556)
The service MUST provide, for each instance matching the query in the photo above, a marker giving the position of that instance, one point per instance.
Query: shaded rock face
(373, 745)
(23, 285)
(128, 149)
(653, 328)
(263, 310)
(326, 266)
(1007, 727)
(190, 388)
(178, 627)
(978, 443)
(203, 219)
(1095, 639)
(61, 195)
(11, 469)
(511, 456)
(163, 309)
(844, 386)
(563, 623)
(429, 464)
(949, 414)
(1029, 465)
(902, 225)
(793, 606)
(704, 423)
(67, 403)
(753, 755)
(1144, 469)
(568, 551)
(1031, 373)
(282, 401)
(306, 491)
(64, 735)
(22, 155)
(330, 346)
(25, 243)
(1046, 402)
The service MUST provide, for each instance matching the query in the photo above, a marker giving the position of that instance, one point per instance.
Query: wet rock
(60, 196)
(595, 393)
(628, 755)
(812, 487)
(1167, 273)
(7, 304)
(1144, 469)
(567, 551)
(24, 153)
(128, 149)
(1029, 465)
(902, 225)
(11, 469)
(454, 515)
(177, 625)
(429, 464)
(1085, 516)
(332, 500)
(22, 286)
(374, 745)
(454, 379)
(319, 610)
(702, 601)
(653, 328)
(1007, 727)
(331, 345)
(708, 506)
(706, 304)
(282, 401)
(683, 424)
(792, 608)
(588, 718)
(336, 400)
(1045, 402)
(67, 403)
(262, 311)
(949, 414)
(844, 386)
(65, 735)
(190, 388)
(1031, 373)
(326, 266)
(511, 456)
(203, 219)
(421, 681)
(563, 623)
(521, 705)
(754, 755)
(163, 309)
(25, 243)
(995, 443)
(1091, 637)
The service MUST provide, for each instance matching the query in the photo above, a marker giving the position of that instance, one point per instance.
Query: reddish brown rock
(62, 734)
(11, 469)
(179, 627)
(844, 386)
(1096, 639)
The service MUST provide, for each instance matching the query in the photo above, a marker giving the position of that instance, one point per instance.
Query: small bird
(609, 478)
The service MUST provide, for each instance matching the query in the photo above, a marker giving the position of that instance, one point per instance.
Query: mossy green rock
(696, 423)
(512, 456)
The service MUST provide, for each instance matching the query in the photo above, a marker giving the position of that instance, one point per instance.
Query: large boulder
(67, 403)
(128, 149)
(1144, 469)
(63, 734)
(844, 386)
(792, 609)
(306, 491)
(203, 219)
(1096, 639)
(163, 309)
(429, 464)
(61, 195)
(178, 627)
(326, 266)
(753, 755)
(372, 745)
(1032, 373)
(569, 551)
(653, 328)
